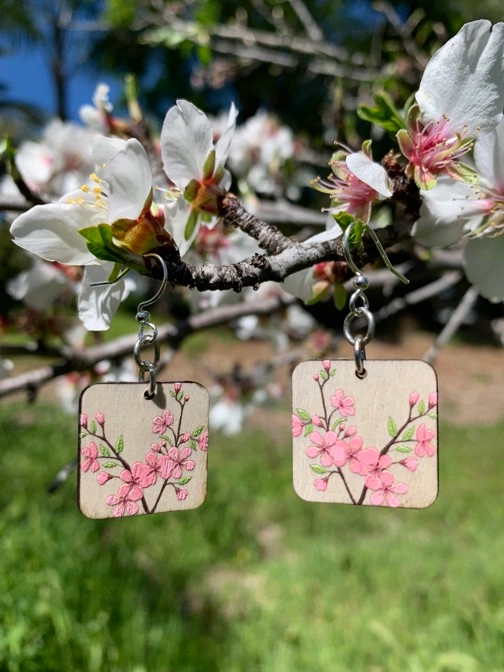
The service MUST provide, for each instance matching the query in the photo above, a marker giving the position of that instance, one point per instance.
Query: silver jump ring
(359, 356)
(146, 340)
(358, 295)
(370, 330)
(150, 393)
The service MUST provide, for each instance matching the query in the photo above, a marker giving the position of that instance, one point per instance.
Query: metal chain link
(151, 340)
(359, 308)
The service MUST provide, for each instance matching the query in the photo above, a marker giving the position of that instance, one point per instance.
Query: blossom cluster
(337, 447)
(167, 462)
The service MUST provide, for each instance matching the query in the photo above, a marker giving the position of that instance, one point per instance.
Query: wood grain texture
(370, 441)
(138, 455)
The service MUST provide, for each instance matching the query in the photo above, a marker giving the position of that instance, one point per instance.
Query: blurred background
(256, 579)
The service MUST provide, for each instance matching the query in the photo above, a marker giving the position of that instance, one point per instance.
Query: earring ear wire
(379, 246)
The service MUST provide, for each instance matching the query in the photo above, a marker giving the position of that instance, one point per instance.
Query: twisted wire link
(151, 340)
(359, 308)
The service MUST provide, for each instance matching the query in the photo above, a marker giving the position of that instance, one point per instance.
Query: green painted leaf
(308, 429)
(180, 396)
(433, 416)
(337, 423)
(192, 444)
(109, 465)
(198, 431)
(421, 407)
(119, 447)
(303, 415)
(83, 435)
(318, 469)
(324, 375)
(92, 427)
(391, 427)
(403, 449)
(104, 450)
(184, 481)
(408, 434)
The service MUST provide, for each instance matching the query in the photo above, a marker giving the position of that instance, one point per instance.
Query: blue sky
(26, 76)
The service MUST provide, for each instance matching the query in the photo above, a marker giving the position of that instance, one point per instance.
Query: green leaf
(198, 431)
(92, 427)
(104, 450)
(421, 407)
(433, 416)
(184, 481)
(180, 396)
(403, 449)
(109, 465)
(82, 435)
(119, 446)
(337, 423)
(303, 415)
(99, 243)
(192, 221)
(209, 165)
(384, 114)
(324, 375)
(318, 469)
(339, 297)
(192, 444)
(308, 429)
(391, 427)
(408, 434)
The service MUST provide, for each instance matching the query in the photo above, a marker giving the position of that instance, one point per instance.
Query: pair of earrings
(364, 432)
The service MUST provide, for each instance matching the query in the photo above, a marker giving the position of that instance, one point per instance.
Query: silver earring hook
(143, 304)
(379, 246)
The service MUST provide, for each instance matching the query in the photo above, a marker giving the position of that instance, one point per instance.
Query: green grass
(256, 579)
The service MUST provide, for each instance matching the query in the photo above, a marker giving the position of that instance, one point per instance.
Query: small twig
(453, 324)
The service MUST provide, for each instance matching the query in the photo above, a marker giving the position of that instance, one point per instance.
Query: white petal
(176, 216)
(489, 157)
(129, 178)
(464, 82)
(223, 145)
(186, 141)
(97, 305)
(104, 149)
(370, 173)
(40, 286)
(483, 259)
(51, 232)
(447, 210)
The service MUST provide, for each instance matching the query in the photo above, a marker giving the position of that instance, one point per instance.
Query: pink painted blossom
(162, 422)
(186, 398)
(177, 387)
(181, 494)
(350, 431)
(372, 465)
(432, 399)
(345, 405)
(103, 477)
(83, 420)
(348, 452)
(385, 490)
(315, 420)
(297, 426)
(155, 447)
(137, 478)
(413, 398)
(321, 447)
(153, 464)
(327, 365)
(316, 377)
(90, 453)
(424, 436)
(176, 462)
(185, 437)
(100, 418)
(410, 463)
(321, 484)
(125, 501)
(203, 441)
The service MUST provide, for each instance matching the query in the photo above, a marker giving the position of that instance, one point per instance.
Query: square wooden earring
(140, 455)
(368, 440)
